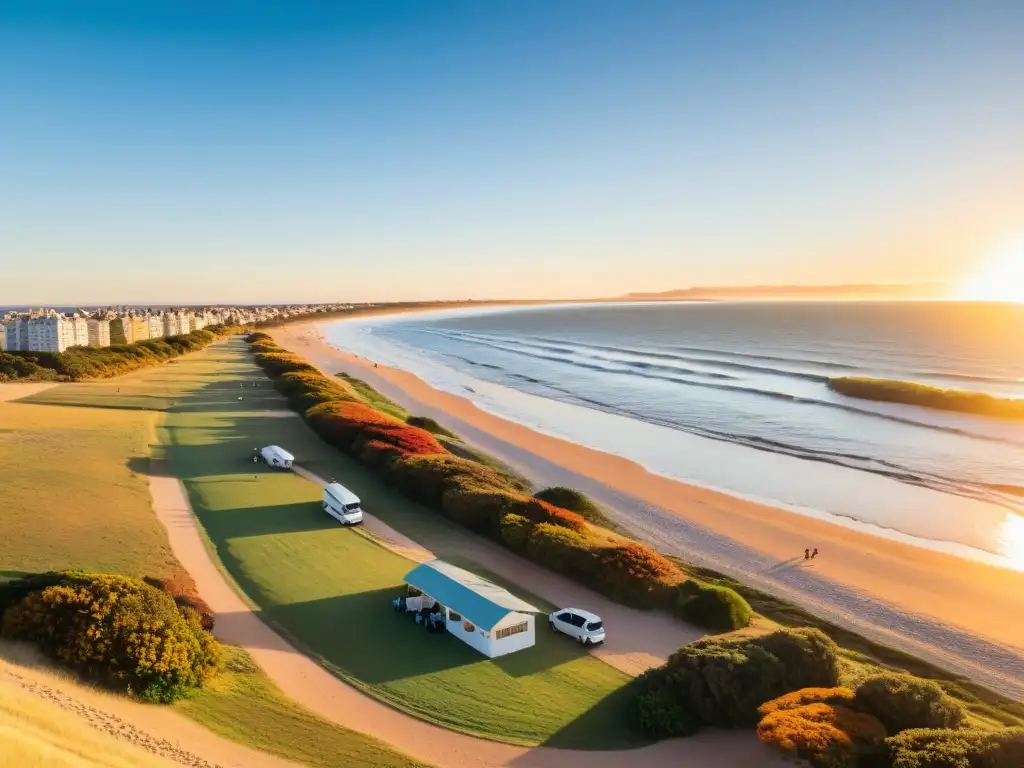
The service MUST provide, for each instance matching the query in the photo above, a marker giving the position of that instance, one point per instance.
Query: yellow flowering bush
(120, 631)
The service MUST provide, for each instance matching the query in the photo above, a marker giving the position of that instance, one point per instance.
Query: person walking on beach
(814, 554)
(807, 554)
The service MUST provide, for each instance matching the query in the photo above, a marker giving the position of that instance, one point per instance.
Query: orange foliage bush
(539, 511)
(183, 591)
(807, 696)
(635, 574)
(829, 735)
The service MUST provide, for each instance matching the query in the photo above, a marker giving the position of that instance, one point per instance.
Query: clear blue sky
(251, 151)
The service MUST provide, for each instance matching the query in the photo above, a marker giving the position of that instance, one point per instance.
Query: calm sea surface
(734, 396)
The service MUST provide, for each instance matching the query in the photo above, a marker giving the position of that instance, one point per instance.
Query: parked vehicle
(276, 456)
(583, 625)
(341, 504)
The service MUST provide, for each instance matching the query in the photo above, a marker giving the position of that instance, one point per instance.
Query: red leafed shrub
(342, 423)
(539, 511)
(183, 590)
(409, 441)
(829, 735)
(635, 574)
(377, 453)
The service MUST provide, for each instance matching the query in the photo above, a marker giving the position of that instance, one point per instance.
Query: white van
(276, 456)
(341, 504)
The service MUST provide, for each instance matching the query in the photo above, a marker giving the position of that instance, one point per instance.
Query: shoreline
(959, 614)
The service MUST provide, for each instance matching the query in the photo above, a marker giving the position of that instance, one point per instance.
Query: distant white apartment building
(79, 327)
(50, 332)
(155, 324)
(171, 325)
(185, 320)
(99, 332)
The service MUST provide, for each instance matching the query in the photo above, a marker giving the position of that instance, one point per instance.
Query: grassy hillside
(75, 494)
(329, 589)
(71, 494)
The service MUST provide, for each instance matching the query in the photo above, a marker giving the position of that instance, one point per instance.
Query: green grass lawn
(244, 706)
(73, 494)
(329, 588)
(70, 495)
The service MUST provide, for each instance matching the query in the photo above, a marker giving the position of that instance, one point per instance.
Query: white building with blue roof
(481, 614)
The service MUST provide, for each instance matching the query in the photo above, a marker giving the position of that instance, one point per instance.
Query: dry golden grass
(73, 496)
(37, 734)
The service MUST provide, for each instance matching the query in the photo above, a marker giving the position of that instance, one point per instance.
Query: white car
(583, 625)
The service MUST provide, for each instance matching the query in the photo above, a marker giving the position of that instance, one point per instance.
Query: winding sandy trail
(160, 731)
(637, 640)
(965, 616)
(310, 685)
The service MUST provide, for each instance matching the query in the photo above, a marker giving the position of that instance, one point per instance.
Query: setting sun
(1000, 280)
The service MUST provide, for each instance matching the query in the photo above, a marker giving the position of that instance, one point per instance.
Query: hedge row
(119, 631)
(79, 363)
(409, 455)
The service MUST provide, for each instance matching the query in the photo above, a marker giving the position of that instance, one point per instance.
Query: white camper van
(275, 456)
(341, 504)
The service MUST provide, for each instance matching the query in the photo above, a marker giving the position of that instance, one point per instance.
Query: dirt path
(310, 685)
(637, 640)
(161, 731)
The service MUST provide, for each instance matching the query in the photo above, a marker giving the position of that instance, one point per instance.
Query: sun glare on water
(1011, 539)
(1000, 280)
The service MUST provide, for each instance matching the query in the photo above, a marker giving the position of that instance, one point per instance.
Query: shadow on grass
(605, 717)
(262, 521)
(363, 636)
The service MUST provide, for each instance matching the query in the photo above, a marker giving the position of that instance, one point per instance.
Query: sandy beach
(962, 615)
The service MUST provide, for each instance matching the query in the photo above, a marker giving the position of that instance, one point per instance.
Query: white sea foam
(859, 500)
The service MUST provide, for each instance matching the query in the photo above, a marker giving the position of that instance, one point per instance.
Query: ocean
(733, 396)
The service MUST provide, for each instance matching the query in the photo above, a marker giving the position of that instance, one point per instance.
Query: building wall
(516, 642)
(121, 330)
(99, 333)
(140, 328)
(80, 331)
(171, 327)
(487, 642)
(156, 326)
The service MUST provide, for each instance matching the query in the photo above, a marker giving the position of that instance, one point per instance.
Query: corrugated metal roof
(481, 602)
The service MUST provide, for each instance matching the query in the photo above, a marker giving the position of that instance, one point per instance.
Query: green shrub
(724, 680)
(712, 606)
(278, 363)
(427, 423)
(574, 501)
(120, 631)
(557, 548)
(306, 389)
(903, 702)
(655, 710)
(960, 748)
(515, 531)
(478, 509)
(426, 478)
